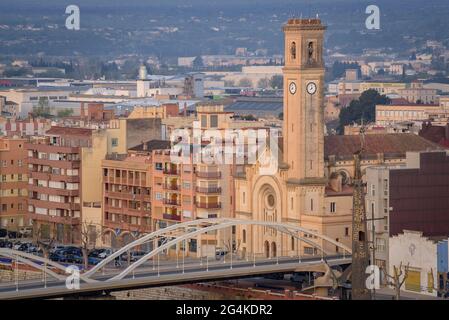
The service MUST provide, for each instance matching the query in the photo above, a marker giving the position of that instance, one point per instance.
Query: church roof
(344, 146)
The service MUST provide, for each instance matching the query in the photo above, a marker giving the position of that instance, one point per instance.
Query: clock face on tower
(292, 87)
(311, 88)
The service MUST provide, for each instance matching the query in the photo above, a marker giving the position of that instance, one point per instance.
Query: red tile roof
(69, 131)
(345, 146)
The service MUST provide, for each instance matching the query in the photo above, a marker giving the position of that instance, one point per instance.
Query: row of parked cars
(20, 246)
(70, 254)
(73, 254)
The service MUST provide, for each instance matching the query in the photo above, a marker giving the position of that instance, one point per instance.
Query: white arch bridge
(149, 270)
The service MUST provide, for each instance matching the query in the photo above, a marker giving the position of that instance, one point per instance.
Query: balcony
(48, 148)
(210, 205)
(174, 217)
(208, 190)
(126, 226)
(64, 164)
(171, 171)
(171, 187)
(53, 205)
(54, 191)
(208, 175)
(54, 219)
(172, 202)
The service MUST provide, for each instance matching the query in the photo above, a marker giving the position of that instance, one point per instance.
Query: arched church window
(244, 236)
(310, 50)
(293, 50)
(270, 200)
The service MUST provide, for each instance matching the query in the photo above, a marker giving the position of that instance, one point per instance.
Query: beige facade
(391, 114)
(296, 193)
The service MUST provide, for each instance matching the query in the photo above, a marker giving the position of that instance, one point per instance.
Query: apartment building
(416, 93)
(126, 198)
(13, 184)
(54, 164)
(66, 189)
(169, 192)
(394, 113)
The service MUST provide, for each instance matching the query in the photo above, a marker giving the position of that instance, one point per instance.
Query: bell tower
(303, 100)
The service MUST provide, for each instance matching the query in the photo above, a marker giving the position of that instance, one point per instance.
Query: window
(214, 121)
(203, 121)
(346, 232)
(19, 177)
(114, 142)
(19, 163)
(293, 243)
(380, 244)
(373, 190)
(158, 196)
(243, 197)
(293, 50)
(158, 166)
(311, 204)
(186, 185)
(333, 207)
(244, 236)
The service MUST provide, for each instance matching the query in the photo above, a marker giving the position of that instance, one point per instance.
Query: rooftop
(67, 131)
(152, 145)
(344, 146)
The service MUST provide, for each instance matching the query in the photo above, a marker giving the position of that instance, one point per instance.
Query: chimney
(144, 146)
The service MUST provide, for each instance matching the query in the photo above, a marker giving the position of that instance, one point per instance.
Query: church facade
(312, 187)
(296, 193)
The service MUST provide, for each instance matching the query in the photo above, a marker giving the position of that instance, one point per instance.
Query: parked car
(105, 252)
(5, 243)
(220, 253)
(68, 254)
(16, 245)
(135, 255)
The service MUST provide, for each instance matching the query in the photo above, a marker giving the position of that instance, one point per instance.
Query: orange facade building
(13, 185)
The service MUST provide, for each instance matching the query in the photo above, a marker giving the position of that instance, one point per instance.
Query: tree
(363, 108)
(89, 237)
(263, 83)
(15, 72)
(249, 117)
(42, 109)
(277, 82)
(65, 113)
(44, 239)
(245, 82)
(395, 279)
